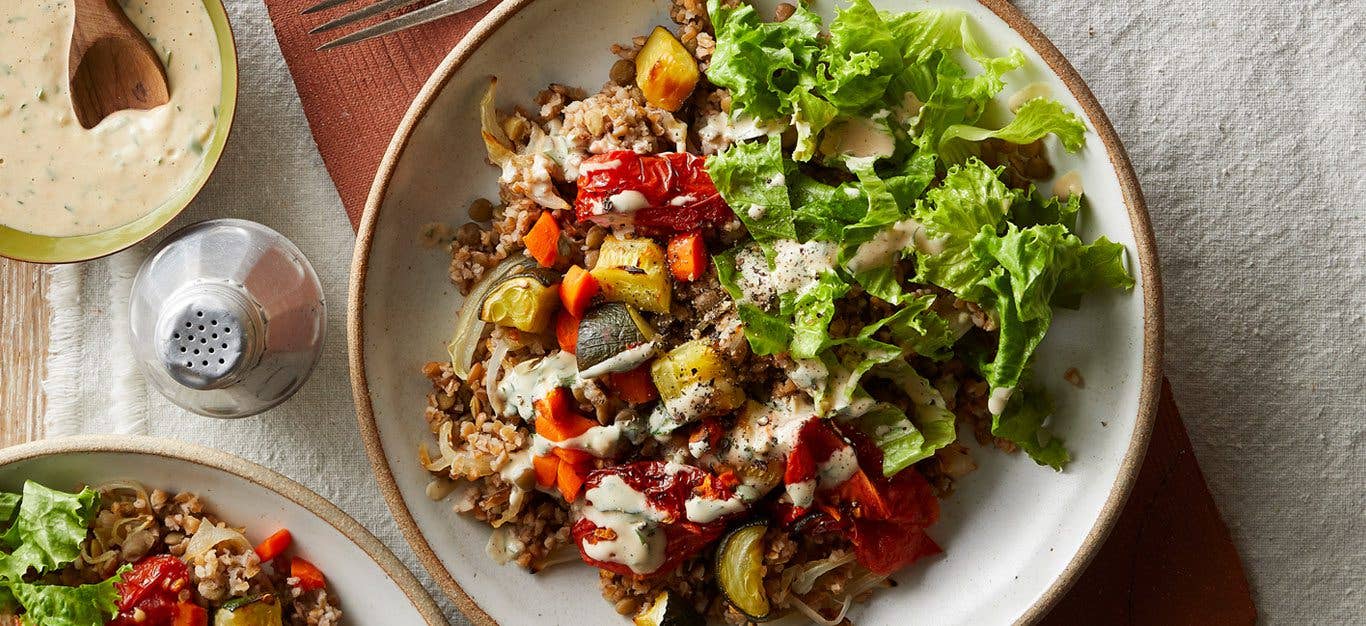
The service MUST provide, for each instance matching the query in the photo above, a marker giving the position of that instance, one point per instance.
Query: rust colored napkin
(1169, 559)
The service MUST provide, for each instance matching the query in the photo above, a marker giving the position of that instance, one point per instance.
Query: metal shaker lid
(227, 318)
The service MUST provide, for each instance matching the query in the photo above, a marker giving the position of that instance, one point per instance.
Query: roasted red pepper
(885, 518)
(666, 488)
(152, 586)
(660, 194)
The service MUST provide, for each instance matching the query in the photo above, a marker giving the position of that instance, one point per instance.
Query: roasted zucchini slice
(633, 271)
(608, 334)
(668, 609)
(525, 301)
(259, 610)
(740, 570)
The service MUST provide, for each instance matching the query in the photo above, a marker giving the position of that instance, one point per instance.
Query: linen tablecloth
(1246, 122)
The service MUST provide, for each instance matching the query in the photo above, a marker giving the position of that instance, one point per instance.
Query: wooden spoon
(112, 66)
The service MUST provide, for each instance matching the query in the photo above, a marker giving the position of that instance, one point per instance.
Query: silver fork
(433, 11)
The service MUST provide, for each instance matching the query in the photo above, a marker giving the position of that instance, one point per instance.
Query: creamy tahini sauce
(59, 179)
(637, 540)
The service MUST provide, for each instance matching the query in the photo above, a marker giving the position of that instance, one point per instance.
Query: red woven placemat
(1169, 559)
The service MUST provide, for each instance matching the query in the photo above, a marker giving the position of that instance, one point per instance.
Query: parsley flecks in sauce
(59, 179)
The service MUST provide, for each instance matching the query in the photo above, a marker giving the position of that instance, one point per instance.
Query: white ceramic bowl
(1016, 535)
(373, 587)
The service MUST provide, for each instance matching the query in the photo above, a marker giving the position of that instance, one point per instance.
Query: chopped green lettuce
(752, 177)
(926, 80)
(766, 333)
(762, 62)
(861, 59)
(905, 440)
(1099, 265)
(812, 312)
(847, 362)
(1035, 119)
(1039, 208)
(970, 200)
(1022, 423)
(48, 530)
(916, 328)
(9, 503)
(56, 605)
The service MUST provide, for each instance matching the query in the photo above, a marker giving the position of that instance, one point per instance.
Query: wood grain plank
(23, 348)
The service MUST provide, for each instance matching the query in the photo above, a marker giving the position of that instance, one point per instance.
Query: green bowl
(24, 246)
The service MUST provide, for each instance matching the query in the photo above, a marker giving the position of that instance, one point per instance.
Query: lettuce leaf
(861, 59)
(906, 440)
(970, 200)
(916, 328)
(812, 312)
(810, 116)
(846, 363)
(9, 503)
(1041, 208)
(56, 605)
(48, 530)
(1022, 423)
(1036, 118)
(754, 174)
(762, 62)
(821, 211)
(1099, 265)
(766, 333)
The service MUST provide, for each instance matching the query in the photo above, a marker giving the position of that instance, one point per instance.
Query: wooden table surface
(23, 345)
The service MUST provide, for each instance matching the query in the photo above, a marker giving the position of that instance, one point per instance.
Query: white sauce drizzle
(531, 380)
(837, 469)
(803, 493)
(624, 361)
(1068, 185)
(865, 138)
(887, 245)
(996, 404)
(628, 201)
(59, 179)
(639, 541)
(1027, 93)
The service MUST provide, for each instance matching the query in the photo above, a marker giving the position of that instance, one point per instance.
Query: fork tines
(433, 11)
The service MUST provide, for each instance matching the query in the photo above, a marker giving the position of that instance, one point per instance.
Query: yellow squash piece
(632, 271)
(694, 382)
(524, 301)
(665, 71)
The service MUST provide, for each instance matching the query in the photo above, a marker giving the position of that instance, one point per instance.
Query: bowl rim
(250, 472)
(49, 250)
(1139, 221)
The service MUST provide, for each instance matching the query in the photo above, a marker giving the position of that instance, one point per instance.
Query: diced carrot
(557, 418)
(543, 240)
(189, 614)
(567, 330)
(580, 458)
(570, 481)
(687, 256)
(635, 387)
(310, 577)
(546, 468)
(577, 290)
(274, 545)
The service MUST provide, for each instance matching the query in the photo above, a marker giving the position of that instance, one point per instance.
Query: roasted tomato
(661, 194)
(885, 518)
(615, 535)
(152, 587)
